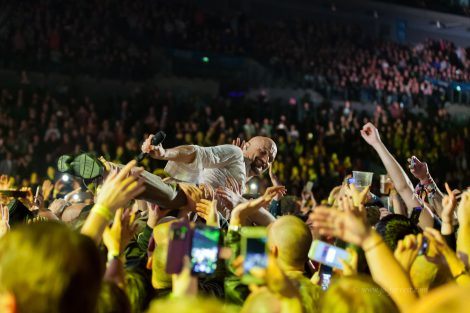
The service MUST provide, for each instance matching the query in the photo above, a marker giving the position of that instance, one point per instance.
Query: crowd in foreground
(134, 242)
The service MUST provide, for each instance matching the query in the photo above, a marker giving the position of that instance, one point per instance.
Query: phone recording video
(255, 254)
(205, 250)
(327, 254)
(424, 247)
(253, 249)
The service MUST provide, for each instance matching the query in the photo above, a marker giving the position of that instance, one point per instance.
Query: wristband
(113, 255)
(102, 211)
(375, 245)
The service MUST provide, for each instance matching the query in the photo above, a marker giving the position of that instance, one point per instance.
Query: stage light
(458, 88)
(65, 177)
(205, 59)
(253, 187)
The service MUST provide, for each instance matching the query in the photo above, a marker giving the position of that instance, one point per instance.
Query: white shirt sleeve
(222, 156)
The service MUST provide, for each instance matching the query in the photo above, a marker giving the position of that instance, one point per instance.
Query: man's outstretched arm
(182, 154)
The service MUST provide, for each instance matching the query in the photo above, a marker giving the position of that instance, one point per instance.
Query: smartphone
(308, 187)
(414, 217)
(179, 246)
(424, 247)
(254, 252)
(412, 163)
(38, 191)
(14, 193)
(326, 272)
(327, 254)
(205, 250)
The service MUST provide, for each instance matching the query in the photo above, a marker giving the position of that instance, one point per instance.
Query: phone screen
(205, 250)
(255, 254)
(327, 254)
(325, 276)
(424, 247)
(308, 187)
(415, 214)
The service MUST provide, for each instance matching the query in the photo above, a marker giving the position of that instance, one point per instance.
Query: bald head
(290, 238)
(261, 152)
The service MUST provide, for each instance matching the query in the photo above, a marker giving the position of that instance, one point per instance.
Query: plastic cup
(362, 179)
(385, 184)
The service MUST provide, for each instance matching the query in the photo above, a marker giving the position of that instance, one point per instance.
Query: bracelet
(113, 256)
(375, 245)
(102, 211)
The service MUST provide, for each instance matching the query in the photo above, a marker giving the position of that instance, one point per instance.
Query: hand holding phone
(179, 246)
(327, 254)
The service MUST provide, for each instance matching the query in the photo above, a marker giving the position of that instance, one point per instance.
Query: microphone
(156, 140)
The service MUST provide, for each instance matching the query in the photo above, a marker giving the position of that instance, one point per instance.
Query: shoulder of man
(228, 149)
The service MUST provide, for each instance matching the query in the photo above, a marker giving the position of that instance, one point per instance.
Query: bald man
(224, 166)
(213, 166)
(289, 240)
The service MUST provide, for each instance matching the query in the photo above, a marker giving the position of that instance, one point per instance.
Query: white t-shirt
(212, 166)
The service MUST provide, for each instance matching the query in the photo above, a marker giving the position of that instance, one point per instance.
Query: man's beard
(257, 166)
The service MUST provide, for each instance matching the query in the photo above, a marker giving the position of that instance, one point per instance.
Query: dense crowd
(247, 205)
(316, 142)
(200, 240)
(115, 39)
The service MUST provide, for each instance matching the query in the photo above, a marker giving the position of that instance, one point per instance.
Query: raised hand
(117, 237)
(47, 188)
(357, 197)
(349, 225)
(193, 195)
(418, 169)
(156, 152)
(155, 213)
(463, 210)
(449, 203)
(58, 186)
(350, 266)
(119, 188)
(274, 192)
(239, 143)
(5, 183)
(407, 250)
(444, 254)
(370, 134)
(4, 220)
(207, 209)
(245, 209)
